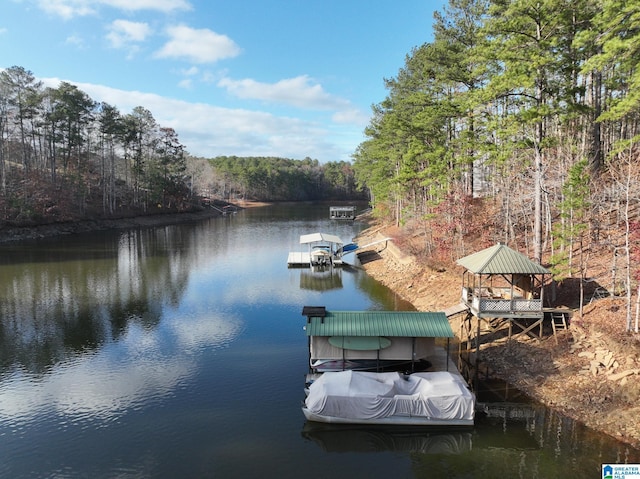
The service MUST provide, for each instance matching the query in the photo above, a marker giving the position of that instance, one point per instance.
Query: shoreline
(560, 375)
(564, 376)
(11, 233)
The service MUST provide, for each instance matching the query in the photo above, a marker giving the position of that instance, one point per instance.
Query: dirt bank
(591, 373)
(9, 233)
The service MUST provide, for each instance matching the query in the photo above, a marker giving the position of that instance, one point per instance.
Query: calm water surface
(179, 352)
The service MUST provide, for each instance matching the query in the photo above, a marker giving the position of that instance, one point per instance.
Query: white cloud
(197, 45)
(190, 71)
(68, 8)
(123, 32)
(300, 92)
(119, 376)
(187, 83)
(351, 116)
(158, 5)
(75, 41)
(208, 130)
(79, 8)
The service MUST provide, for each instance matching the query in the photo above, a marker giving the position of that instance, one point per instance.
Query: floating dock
(303, 258)
(342, 212)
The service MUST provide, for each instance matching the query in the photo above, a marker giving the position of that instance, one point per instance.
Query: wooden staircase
(559, 322)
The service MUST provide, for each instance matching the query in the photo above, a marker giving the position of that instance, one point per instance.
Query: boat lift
(325, 249)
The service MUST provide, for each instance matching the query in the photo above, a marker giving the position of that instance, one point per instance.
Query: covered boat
(355, 397)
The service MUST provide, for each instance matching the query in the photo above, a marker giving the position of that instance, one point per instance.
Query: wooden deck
(495, 326)
(299, 258)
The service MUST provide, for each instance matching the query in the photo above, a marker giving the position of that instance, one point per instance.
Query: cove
(178, 351)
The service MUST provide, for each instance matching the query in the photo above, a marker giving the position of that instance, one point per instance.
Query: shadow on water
(429, 440)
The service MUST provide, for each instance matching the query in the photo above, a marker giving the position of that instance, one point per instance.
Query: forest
(518, 123)
(65, 156)
(281, 179)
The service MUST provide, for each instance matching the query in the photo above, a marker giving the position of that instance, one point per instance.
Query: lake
(179, 352)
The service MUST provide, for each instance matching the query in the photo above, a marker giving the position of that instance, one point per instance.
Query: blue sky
(287, 78)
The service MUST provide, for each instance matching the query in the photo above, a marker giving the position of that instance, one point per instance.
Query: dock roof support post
(448, 341)
(478, 338)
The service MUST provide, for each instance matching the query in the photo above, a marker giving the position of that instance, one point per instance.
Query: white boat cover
(356, 395)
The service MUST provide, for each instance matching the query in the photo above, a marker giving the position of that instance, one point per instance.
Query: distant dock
(342, 212)
(323, 250)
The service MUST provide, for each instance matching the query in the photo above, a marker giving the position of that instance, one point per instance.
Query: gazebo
(502, 286)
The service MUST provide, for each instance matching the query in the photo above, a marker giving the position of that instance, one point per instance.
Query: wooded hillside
(518, 123)
(64, 156)
(281, 179)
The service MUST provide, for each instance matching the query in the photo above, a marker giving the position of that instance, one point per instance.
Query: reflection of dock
(512, 434)
(321, 279)
(513, 411)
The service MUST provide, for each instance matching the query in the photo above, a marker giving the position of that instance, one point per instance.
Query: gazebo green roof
(412, 324)
(500, 259)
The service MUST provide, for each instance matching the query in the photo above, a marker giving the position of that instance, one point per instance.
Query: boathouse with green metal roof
(375, 338)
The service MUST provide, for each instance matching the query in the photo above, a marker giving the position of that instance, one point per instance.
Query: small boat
(424, 399)
(364, 343)
(320, 255)
(327, 365)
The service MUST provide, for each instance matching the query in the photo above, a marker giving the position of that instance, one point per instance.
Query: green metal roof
(411, 324)
(500, 259)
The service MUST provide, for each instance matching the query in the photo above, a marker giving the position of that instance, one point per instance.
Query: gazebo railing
(489, 305)
(514, 305)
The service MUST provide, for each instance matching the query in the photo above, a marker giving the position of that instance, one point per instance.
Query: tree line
(282, 179)
(64, 154)
(519, 122)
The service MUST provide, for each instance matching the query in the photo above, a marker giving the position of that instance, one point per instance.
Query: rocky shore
(591, 372)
